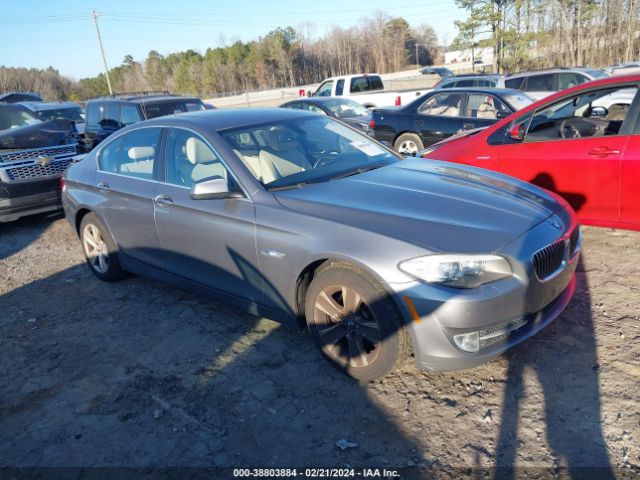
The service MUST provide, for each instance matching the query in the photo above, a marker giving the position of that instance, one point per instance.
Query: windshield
(13, 118)
(596, 73)
(518, 100)
(160, 109)
(299, 151)
(346, 108)
(70, 113)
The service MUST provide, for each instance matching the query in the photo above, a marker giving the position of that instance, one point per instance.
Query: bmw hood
(437, 205)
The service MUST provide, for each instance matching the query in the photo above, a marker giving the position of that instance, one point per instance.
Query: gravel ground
(137, 374)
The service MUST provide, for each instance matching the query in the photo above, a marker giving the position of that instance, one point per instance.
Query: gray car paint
(374, 220)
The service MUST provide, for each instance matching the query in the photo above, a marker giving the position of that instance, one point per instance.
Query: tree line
(527, 34)
(523, 34)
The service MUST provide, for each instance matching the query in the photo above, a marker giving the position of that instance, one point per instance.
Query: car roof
(141, 98)
(483, 90)
(320, 100)
(228, 118)
(37, 106)
(551, 70)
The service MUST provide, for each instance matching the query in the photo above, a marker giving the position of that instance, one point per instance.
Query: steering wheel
(568, 131)
(324, 159)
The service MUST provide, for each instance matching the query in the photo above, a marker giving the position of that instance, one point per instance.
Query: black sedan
(442, 113)
(350, 112)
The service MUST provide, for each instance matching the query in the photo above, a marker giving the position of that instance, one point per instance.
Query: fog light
(469, 342)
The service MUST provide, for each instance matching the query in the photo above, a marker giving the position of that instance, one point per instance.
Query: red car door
(575, 147)
(630, 183)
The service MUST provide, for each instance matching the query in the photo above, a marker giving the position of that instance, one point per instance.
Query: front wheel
(355, 323)
(408, 144)
(99, 249)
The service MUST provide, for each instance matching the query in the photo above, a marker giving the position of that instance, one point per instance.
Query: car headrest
(198, 151)
(280, 139)
(138, 153)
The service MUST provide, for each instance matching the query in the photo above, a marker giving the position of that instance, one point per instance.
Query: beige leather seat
(446, 110)
(487, 110)
(204, 161)
(283, 158)
(141, 161)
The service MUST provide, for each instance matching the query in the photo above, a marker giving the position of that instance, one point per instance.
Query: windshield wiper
(288, 187)
(358, 171)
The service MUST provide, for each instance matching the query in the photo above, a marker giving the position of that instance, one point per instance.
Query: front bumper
(19, 199)
(505, 313)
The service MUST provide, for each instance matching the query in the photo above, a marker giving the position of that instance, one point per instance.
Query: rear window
(515, 83)
(93, 114)
(160, 109)
(69, 113)
(366, 84)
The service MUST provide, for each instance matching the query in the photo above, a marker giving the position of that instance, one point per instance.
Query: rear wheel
(354, 323)
(99, 249)
(408, 144)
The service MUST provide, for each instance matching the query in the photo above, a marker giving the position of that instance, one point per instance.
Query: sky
(61, 33)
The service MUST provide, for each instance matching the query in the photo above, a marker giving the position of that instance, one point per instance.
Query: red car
(582, 143)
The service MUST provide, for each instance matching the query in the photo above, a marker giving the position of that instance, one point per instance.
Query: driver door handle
(603, 151)
(468, 126)
(103, 187)
(163, 201)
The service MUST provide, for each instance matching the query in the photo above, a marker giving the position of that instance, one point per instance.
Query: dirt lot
(137, 374)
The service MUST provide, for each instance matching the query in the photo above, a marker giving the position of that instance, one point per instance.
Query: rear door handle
(163, 201)
(103, 187)
(603, 151)
(468, 126)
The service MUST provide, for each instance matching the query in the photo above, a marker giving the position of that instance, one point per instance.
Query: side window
(486, 83)
(375, 83)
(110, 115)
(340, 87)
(592, 114)
(485, 106)
(568, 80)
(325, 89)
(464, 83)
(129, 115)
(108, 157)
(93, 115)
(540, 83)
(515, 83)
(138, 152)
(359, 84)
(190, 160)
(446, 104)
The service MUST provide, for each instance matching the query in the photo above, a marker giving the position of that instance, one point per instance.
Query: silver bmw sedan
(302, 219)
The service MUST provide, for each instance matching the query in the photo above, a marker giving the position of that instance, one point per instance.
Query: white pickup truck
(366, 89)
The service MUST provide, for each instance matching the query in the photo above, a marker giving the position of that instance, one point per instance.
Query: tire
(408, 143)
(365, 345)
(99, 249)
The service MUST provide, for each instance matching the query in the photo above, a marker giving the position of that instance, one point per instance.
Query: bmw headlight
(461, 271)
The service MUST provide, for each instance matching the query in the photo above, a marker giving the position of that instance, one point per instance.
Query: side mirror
(501, 114)
(599, 112)
(516, 132)
(213, 188)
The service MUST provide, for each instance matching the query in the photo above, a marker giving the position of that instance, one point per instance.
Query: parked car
(628, 68)
(13, 97)
(440, 71)
(33, 155)
(299, 218)
(471, 80)
(366, 89)
(109, 114)
(583, 143)
(350, 112)
(442, 113)
(542, 83)
(56, 110)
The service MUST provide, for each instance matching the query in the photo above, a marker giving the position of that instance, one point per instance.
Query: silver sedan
(302, 219)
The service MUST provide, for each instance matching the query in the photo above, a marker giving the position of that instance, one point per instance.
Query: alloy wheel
(349, 330)
(95, 248)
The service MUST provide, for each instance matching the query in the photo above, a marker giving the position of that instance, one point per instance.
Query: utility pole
(104, 60)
